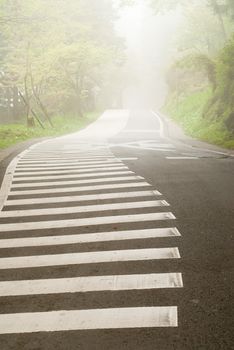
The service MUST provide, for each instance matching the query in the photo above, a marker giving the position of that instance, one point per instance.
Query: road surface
(117, 237)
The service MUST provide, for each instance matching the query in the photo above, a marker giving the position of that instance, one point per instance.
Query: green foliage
(188, 111)
(222, 103)
(57, 55)
(13, 133)
(199, 62)
(202, 78)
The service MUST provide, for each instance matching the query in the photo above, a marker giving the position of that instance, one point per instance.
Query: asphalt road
(117, 238)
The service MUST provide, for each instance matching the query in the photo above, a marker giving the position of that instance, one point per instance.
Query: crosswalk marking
(108, 172)
(81, 198)
(47, 162)
(52, 321)
(89, 258)
(102, 220)
(66, 177)
(91, 166)
(99, 187)
(181, 158)
(81, 188)
(84, 209)
(77, 182)
(62, 157)
(34, 174)
(79, 159)
(89, 238)
(91, 284)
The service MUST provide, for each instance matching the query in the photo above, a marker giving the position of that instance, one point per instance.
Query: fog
(149, 39)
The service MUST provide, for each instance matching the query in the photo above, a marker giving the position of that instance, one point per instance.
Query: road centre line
(81, 189)
(140, 131)
(91, 197)
(139, 147)
(102, 220)
(89, 258)
(118, 318)
(89, 238)
(78, 182)
(84, 209)
(91, 284)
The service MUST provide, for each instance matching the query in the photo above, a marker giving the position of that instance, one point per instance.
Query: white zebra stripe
(107, 172)
(80, 166)
(91, 284)
(52, 321)
(83, 209)
(77, 182)
(87, 197)
(88, 238)
(89, 258)
(102, 220)
(35, 174)
(81, 189)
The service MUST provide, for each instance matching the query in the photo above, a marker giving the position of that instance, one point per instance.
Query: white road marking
(47, 162)
(56, 169)
(81, 189)
(91, 197)
(78, 166)
(161, 125)
(94, 173)
(102, 220)
(81, 159)
(77, 182)
(89, 238)
(91, 284)
(140, 147)
(62, 155)
(50, 165)
(52, 321)
(35, 174)
(128, 158)
(84, 209)
(140, 131)
(92, 165)
(181, 158)
(5, 187)
(89, 258)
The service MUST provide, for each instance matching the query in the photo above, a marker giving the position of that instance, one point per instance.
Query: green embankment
(188, 112)
(11, 134)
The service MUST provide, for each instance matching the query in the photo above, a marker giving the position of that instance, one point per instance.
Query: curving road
(117, 237)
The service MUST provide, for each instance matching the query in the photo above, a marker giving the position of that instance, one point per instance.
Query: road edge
(173, 132)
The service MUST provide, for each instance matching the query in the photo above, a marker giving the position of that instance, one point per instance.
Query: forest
(201, 76)
(62, 62)
(59, 60)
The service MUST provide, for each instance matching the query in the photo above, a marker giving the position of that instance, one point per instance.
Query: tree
(57, 54)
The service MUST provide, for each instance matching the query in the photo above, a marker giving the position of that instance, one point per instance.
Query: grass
(188, 111)
(11, 134)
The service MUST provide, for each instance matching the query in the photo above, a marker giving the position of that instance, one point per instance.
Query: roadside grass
(188, 111)
(11, 134)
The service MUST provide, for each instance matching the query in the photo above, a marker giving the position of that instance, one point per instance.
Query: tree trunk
(30, 119)
(39, 102)
(217, 10)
